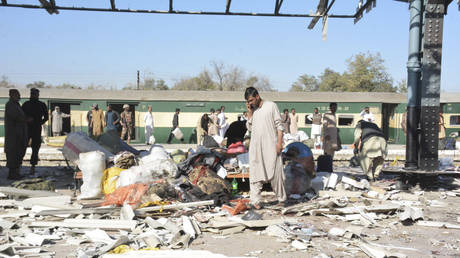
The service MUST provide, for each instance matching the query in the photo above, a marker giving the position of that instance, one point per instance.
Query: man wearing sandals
(265, 163)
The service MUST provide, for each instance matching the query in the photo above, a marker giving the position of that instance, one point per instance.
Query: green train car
(388, 109)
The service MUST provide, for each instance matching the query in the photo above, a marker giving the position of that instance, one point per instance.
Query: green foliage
(305, 82)
(5, 83)
(38, 85)
(365, 72)
(402, 86)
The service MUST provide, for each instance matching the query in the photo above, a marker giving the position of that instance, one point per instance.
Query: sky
(107, 49)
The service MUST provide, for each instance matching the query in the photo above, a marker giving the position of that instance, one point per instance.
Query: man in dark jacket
(175, 124)
(15, 135)
(38, 112)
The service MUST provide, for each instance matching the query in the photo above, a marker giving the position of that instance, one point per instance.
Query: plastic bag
(110, 178)
(178, 156)
(130, 194)
(152, 139)
(301, 136)
(178, 133)
(92, 166)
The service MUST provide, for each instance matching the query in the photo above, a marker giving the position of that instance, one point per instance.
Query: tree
(161, 85)
(201, 82)
(367, 72)
(261, 83)
(305, 82)
(402, 86)
(68, 86)
(331, 80)
(219, 72)
(38, 85)
(5, 83)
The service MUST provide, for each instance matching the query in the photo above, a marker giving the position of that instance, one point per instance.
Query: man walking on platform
(37, 112)
(175, 124)
(265, 164)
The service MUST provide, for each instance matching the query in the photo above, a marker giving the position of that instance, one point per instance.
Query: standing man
(97, 121)
(175, 124)
(148, 120)
(294, 118)
(56, 121)
(315, 119)
(222, 122)
(202, 128)
(213, 123)
(286, 120)
(127, 121)
(331, 139)
(15, 135)
(112, 119)
(370, 143)
(38, 112)
(264, 122)
(89, 120)
(366, 115)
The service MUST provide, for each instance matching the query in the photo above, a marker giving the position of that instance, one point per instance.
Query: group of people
(123, 123)
(214, 123)
(267, 127)
(23, 124)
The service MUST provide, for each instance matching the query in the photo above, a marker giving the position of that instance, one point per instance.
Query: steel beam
(319, 12)
(4, 2)
(414, 73)
(112, 4)
(431, 84)
(171, 9)
(227, 7)
(278, 5)
(68, 8)
(365, 7)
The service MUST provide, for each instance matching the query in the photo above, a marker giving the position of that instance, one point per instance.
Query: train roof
(172, 95)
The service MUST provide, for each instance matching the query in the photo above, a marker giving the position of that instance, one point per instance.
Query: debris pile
(160, 203)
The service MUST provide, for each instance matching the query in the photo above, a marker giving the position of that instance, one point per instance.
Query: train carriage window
(454, 120)
(307, 121)
(345, 120)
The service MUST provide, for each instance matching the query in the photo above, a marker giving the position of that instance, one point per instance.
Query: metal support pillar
(431, 84)
(413, 83)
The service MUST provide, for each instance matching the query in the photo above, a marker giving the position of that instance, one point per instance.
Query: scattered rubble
(144, 205)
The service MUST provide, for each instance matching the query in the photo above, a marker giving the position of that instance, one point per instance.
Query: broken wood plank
(234, 230)
(26, 193)
(78, 211)
(383, 208)
(339, 193)
(58, 202)
(88, 223)
(437, 224)
(176, 206)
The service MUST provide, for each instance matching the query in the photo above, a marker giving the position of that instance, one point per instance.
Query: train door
(65, 108)
(132, 107)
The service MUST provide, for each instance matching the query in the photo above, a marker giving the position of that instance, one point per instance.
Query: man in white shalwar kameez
(316, 123)
(265, 163)
(223, 125)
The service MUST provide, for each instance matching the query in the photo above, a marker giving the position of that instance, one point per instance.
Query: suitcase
(324, 163)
